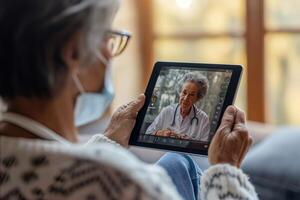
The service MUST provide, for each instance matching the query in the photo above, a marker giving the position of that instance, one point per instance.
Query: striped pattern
(226, 182)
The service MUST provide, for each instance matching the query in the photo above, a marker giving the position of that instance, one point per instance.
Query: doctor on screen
(184, 120)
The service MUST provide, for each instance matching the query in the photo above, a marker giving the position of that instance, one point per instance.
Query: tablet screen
(185, 107)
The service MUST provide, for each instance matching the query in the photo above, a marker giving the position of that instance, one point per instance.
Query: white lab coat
(196, 132)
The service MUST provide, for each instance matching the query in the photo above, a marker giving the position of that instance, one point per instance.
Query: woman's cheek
(94, 78)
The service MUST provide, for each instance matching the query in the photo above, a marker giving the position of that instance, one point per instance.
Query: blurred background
(262, 35)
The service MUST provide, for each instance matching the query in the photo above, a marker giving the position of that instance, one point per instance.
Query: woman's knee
(174, 159)
(179, 162)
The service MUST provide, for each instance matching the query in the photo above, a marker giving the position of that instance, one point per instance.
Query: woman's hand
(123, 120)
(184, 137)
(163, 133)
(171, 134)
(232, 140)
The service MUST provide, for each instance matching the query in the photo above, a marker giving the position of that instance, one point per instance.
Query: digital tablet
(184, 105)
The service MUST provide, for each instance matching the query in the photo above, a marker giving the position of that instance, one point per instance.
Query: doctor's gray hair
(33, 37)
(199, 79)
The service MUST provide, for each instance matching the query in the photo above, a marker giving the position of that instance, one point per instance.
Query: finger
(241, 129)
(133, 115)
(242, 153)
(245, 148)
(250, 141)
(240, 117)
(228, 119)
(126, 105)
(240, 121)
(137, 104)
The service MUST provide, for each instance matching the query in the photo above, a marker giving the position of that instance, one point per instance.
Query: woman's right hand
(232, 140)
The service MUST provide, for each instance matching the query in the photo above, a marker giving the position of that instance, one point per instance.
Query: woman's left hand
(123, 120)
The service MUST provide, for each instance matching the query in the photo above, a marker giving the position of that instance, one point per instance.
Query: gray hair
(200, 80)
(33, 35)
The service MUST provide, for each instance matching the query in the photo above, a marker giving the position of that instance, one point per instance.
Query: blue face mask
(90, 106)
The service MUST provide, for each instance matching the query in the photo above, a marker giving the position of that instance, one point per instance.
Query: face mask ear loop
(78, 84)
(102, 58)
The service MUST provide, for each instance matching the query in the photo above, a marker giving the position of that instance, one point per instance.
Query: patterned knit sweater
(100, 169)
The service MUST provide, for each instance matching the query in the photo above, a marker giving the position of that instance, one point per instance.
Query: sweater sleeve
(224, 181)
(100, 138)
(37, 169)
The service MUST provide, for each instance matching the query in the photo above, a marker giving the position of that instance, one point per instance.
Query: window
(201, 31)
(262, 35)
(282, 61)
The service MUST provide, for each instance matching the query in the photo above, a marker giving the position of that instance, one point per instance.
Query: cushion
(274, 165)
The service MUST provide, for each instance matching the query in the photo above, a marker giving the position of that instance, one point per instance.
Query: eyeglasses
(116, 41)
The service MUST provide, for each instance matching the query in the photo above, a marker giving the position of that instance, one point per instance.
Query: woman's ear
(70, 53)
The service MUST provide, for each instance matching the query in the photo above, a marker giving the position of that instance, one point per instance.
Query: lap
(184, 172)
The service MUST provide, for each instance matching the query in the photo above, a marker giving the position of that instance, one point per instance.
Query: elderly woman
(54, 57)
(184, 120)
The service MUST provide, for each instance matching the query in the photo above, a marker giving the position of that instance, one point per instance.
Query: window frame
(255, 31)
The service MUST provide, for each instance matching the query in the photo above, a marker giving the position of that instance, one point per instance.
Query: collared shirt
(195, 131)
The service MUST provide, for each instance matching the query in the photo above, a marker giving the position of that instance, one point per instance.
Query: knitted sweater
(100, 169)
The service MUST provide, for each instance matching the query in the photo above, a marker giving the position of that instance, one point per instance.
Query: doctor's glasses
(116, 41)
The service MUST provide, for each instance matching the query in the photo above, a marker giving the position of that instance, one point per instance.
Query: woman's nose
(186, 97)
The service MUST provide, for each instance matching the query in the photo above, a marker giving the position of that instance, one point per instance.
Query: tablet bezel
(229, 99)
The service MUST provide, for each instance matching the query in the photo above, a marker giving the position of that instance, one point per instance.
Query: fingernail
(231, 110)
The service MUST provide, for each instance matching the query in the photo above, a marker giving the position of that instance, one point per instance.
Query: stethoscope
(193, 118)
